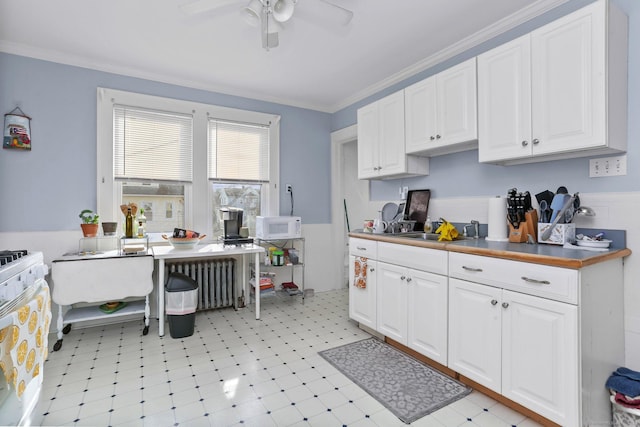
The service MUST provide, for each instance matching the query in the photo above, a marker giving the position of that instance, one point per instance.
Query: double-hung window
(182, 161)
(238, 169)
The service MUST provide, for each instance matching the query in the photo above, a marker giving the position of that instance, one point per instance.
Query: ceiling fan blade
(201, 6)
(334, 13)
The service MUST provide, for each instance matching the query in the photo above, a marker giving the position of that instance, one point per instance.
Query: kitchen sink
(426, 236)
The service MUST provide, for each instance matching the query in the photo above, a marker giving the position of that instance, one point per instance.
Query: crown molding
(83, 62)
(502, 26)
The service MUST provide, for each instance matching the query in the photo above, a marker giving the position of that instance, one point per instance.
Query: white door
(540, 368)
(362, 301)
(368, 141)
(420, 115)
(475, 317)
(427, 314)
(504, 101)
(457, 104)
(391, 141)
(392, 301)
(568, 80)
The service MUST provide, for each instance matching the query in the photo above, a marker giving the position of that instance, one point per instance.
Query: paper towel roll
(498, 230)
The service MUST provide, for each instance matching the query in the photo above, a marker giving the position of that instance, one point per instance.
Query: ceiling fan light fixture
(283, 10)
(253, 12)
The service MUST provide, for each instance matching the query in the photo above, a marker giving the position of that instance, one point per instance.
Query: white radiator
(216, 280)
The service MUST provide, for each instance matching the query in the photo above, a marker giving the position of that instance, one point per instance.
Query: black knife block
(526, 228)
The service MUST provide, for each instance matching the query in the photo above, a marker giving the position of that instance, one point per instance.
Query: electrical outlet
(608, 166)
(289, 188)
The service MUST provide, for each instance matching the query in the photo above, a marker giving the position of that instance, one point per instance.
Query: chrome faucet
(476, 229)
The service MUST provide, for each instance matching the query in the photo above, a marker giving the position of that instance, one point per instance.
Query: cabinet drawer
(424, 259)
(363, 247)
(560, 284)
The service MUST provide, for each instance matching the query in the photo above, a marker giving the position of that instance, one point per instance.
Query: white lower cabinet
(544, 337)
(518, 345)
(412, 303)
(362, 301)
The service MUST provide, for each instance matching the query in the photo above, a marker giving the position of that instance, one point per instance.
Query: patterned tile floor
(233, 371)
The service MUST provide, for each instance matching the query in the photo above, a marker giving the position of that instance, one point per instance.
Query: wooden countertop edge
(542, 259)
(509, 255)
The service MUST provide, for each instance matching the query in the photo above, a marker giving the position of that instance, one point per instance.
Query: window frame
(198, 215)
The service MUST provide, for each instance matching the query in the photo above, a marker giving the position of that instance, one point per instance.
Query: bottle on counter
(428, 226)
(128, 224)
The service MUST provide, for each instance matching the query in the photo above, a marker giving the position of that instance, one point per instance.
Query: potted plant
(89, 223)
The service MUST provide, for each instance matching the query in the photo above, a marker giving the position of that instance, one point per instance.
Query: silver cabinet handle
(538, 282)
(372, 270)
(432, 138)
(525, 143)
(360, 248)
(402, 277)
(536, 141)
(375, 168)
(438, 137)
(494, 301)
(464, 267)
(408, 279)
(505, 304)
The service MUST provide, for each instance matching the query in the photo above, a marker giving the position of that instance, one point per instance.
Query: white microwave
(278, 227)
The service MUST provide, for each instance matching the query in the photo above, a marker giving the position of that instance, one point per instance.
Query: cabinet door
(427, 314)
(540, 356)
(392, 301)
(391, 142)
(504, 101)
(457, 104)
(568, 80)
(475, 332)
(368, 141)
(420, 115)
(362, 301)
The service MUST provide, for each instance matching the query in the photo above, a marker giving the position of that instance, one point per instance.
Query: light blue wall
(460, 174)
(45, 189)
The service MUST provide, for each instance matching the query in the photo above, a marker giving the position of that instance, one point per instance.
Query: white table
(105, 276)
(162, 253)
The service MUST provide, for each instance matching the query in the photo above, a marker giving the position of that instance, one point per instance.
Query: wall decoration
(17, 130)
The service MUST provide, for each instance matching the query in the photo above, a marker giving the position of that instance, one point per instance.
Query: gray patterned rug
(408, 388)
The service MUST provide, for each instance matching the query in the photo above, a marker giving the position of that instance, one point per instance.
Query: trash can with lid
(181, 299)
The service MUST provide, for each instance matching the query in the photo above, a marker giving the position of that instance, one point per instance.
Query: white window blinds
(152, 145)
(238, 151)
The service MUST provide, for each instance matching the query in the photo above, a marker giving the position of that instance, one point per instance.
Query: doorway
(350, 196)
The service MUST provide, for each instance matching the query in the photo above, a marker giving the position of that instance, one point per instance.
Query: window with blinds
(152, 145)
(238, 152)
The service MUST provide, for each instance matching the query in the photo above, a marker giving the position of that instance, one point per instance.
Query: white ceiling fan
(270, 14)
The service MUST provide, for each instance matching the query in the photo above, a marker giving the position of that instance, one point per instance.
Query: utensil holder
(521, 233)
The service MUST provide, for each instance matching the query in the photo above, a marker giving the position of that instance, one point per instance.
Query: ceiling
(318, 64)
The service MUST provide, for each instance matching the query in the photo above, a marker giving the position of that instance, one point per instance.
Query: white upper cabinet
(381, 145)
(441, 112)
(558, 92)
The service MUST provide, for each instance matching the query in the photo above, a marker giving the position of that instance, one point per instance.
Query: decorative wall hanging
(17, 130)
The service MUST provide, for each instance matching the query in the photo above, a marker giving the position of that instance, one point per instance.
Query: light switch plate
(608, 166)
